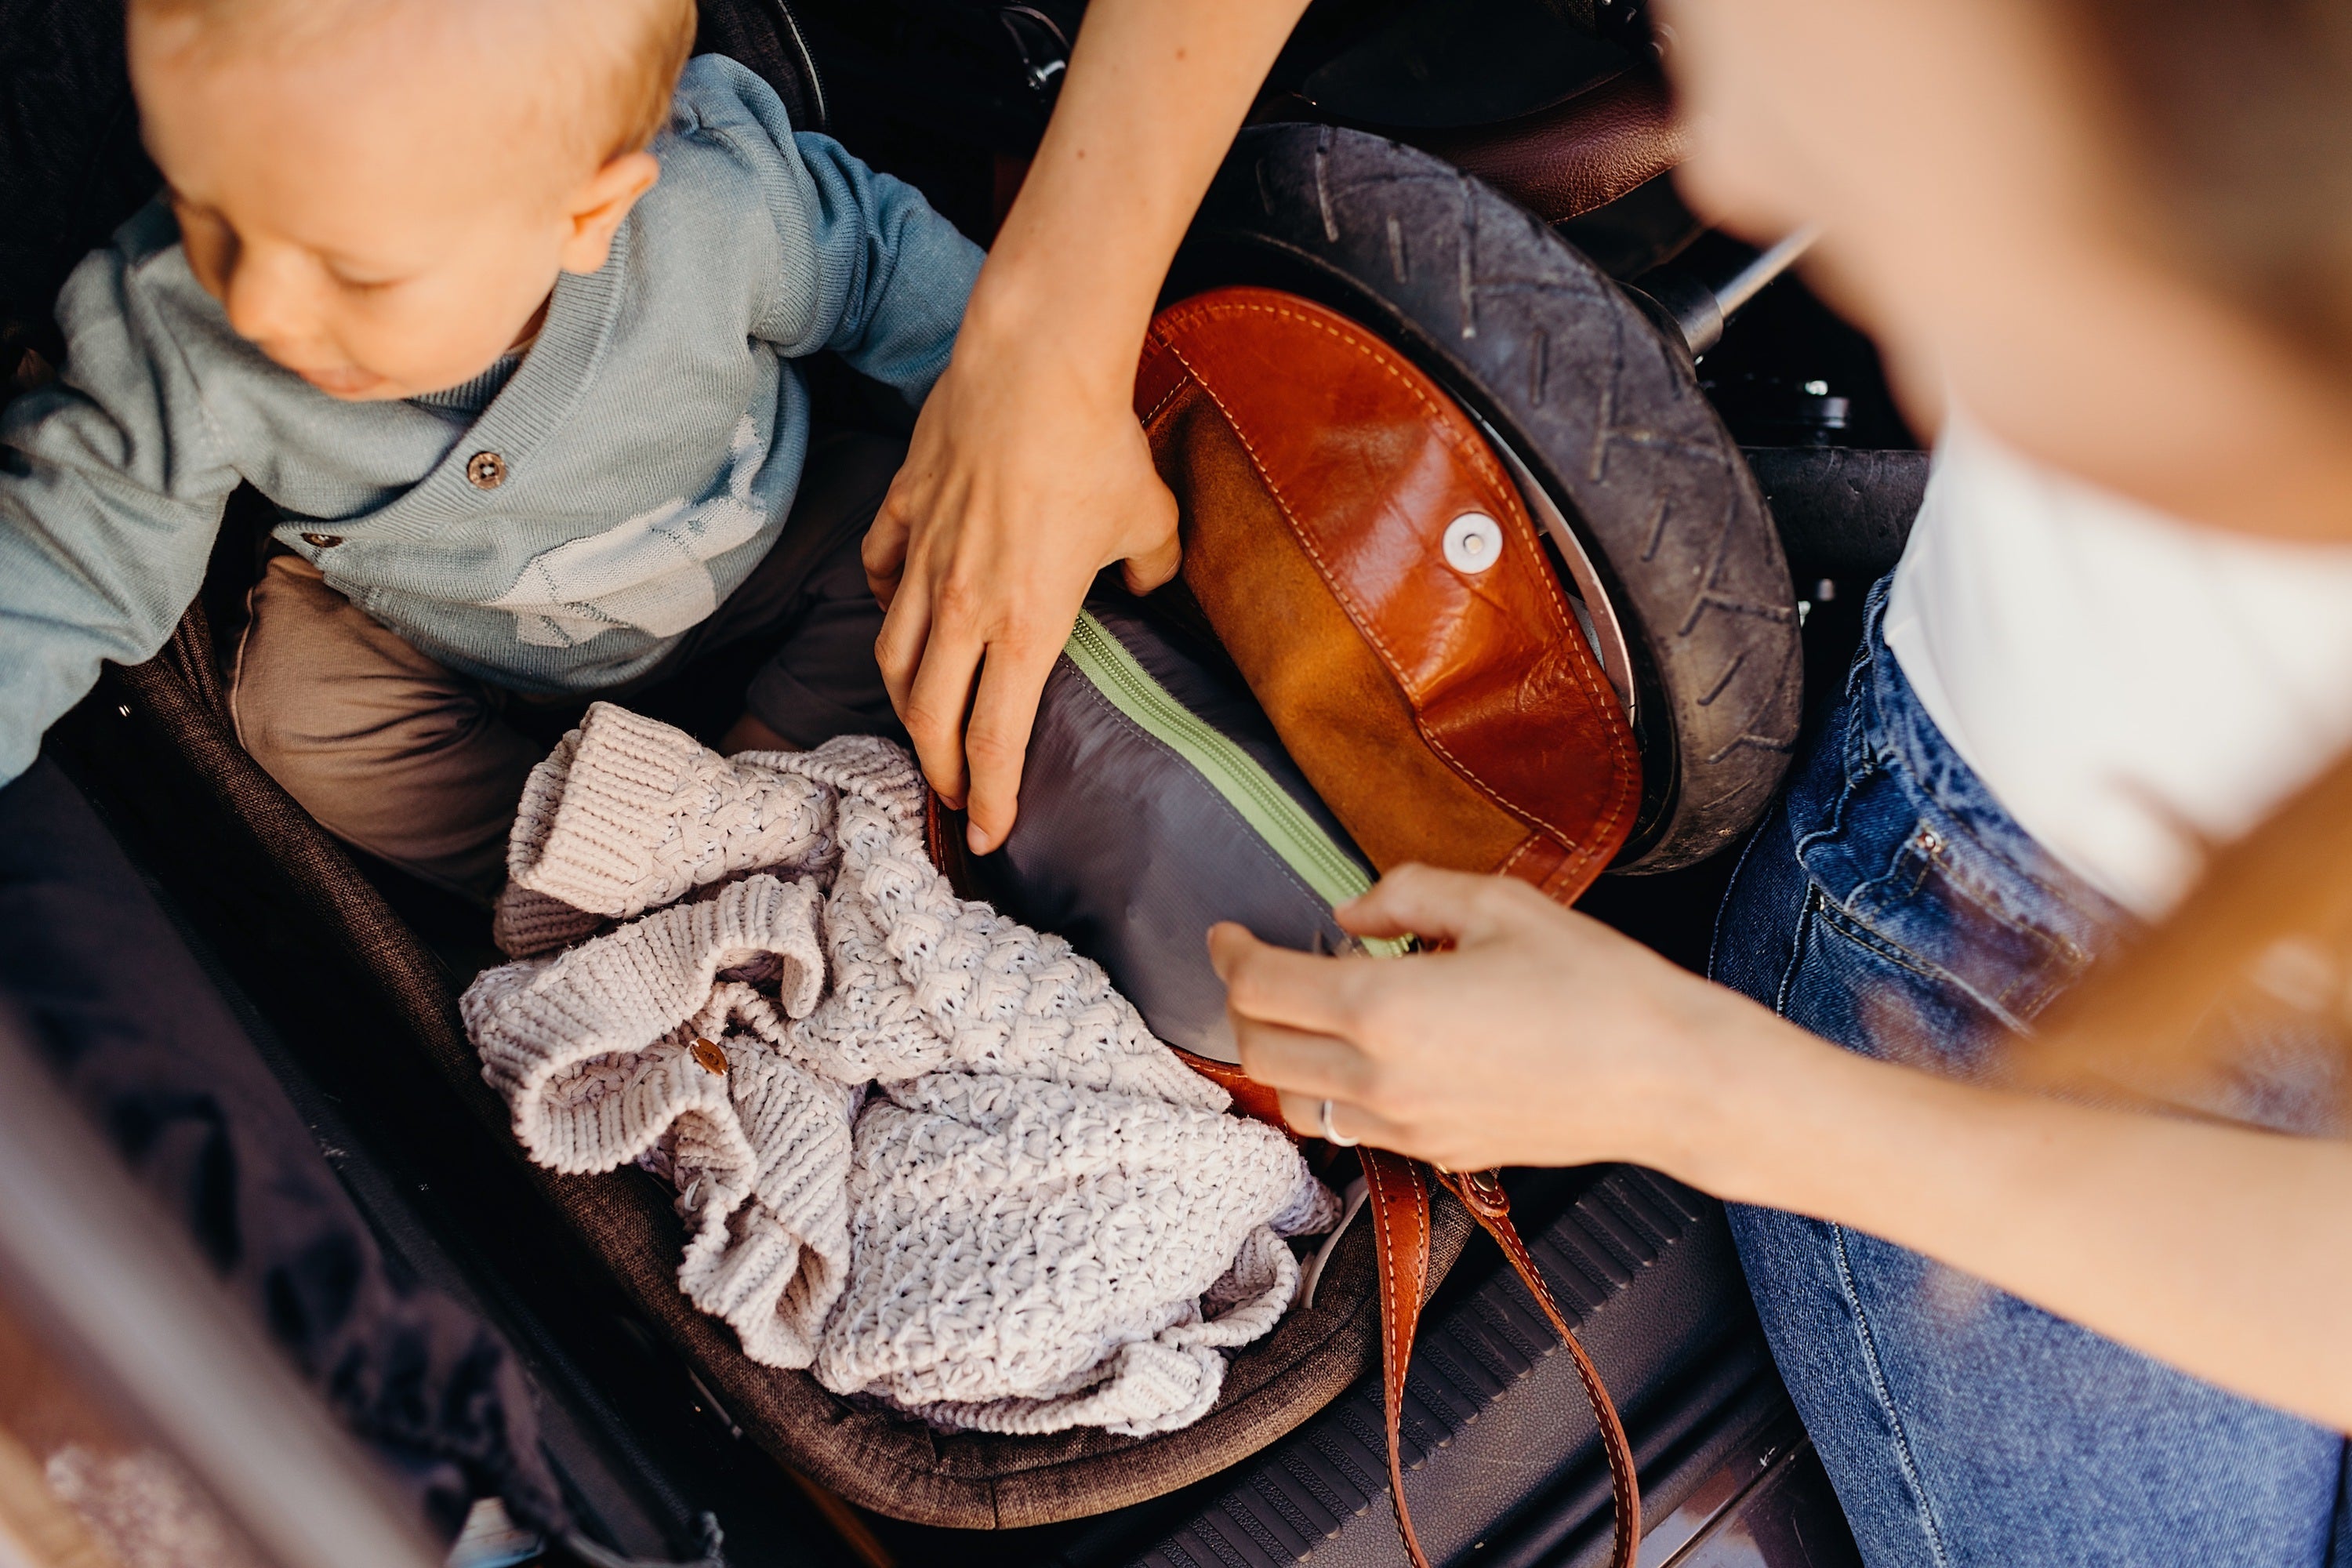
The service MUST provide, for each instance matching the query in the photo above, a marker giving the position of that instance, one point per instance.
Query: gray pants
(415, 763)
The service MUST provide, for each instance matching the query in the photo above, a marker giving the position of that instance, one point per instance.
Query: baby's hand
(1027, 477)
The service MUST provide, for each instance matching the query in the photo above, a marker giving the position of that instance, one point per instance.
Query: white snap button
(1473, 542)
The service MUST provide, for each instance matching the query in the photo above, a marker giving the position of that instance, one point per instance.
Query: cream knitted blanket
(923, 1150)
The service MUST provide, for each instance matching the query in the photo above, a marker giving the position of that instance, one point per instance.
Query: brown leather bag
(1371, 570)
(1369, 565)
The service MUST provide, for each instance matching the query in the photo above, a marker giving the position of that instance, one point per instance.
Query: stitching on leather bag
(1371, 634)
(1571, 863)
(1583, 850)
(1516, 855)
(1482, 462)
(1181, 382)
(1395, 1361)
(1472, 451)
(1386, 1226)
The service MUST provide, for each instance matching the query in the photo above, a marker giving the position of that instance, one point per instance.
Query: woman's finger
(883, 553)
(938, 699)
(1302, 1062)
(996, 741)
(906, 627)
(1322, 995)
(1452, 907)
(1304, 1112)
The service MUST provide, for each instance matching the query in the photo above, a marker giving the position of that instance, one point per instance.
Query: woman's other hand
(1028, 472)
(1535, 1035)
(1027, 475)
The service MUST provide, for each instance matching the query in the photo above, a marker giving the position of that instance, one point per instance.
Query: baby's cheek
(415, 350)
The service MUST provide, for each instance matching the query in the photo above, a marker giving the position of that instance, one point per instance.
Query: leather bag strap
(1251, 1097)
(1482, 1193)
(1397, 1201)
(1397, 1198)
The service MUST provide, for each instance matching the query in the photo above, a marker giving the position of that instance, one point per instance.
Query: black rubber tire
(1607, 412)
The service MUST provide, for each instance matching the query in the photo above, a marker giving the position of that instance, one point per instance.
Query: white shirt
(2130, 688)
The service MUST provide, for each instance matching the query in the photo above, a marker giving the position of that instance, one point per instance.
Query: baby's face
(372, 211)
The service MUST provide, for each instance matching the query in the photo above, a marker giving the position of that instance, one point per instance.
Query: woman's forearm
(1027, 472)
(1155, 91)
(2153, 1231)
(1541, 1036)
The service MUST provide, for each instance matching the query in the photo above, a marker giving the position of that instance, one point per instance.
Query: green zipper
(1248, 788)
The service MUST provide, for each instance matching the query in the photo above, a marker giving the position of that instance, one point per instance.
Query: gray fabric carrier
(313, 913)
(1131, 849)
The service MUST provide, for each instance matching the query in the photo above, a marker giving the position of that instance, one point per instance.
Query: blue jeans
(1890, 905)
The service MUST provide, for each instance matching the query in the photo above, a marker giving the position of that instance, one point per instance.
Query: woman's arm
(1028, 472)
(1543, 1038)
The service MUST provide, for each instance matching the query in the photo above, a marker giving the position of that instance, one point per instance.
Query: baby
(496, 303)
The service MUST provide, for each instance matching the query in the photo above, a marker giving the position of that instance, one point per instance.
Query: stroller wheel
(1662, 531)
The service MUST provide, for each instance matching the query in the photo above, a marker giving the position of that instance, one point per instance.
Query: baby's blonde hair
(620, 59)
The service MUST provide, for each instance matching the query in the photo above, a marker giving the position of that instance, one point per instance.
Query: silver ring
(1331, 1134)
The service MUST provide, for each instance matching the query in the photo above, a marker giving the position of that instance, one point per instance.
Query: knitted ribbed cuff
(598, 814)
(774, 1272)
(526, 924)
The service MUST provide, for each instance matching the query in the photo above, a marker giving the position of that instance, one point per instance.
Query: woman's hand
(1540, 1037)
(1028, 472)
(1026, 476)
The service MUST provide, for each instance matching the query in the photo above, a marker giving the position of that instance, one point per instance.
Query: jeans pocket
(1851, 985)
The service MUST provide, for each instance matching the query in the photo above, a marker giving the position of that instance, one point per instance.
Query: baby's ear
(600, 205)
